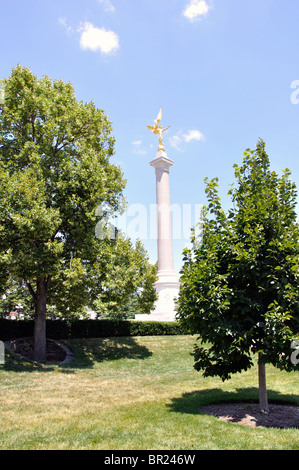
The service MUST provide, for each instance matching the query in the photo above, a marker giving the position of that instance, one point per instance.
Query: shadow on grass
(86, 352)
(13, 363)
(191, 403)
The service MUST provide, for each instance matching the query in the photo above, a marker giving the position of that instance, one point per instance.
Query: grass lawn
(132, 393)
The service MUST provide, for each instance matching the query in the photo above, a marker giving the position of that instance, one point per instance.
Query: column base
(167, 288)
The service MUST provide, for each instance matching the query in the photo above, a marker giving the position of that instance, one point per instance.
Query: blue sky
(222, 71)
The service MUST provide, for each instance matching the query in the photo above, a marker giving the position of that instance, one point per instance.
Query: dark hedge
(61, 329)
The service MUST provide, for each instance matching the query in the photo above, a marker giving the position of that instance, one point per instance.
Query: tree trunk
(39, 353)
(262, 386)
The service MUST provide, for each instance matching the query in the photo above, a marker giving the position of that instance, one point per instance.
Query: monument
(167, 286)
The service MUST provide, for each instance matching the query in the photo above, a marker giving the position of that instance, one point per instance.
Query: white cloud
(137, 147)
(107, 6)
(177, 140)
(196, 9)
(98, 39)
(63, 22)
(194, 135)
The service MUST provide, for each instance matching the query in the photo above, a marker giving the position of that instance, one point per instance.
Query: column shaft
(165, 248)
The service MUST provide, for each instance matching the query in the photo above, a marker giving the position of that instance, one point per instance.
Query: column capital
(162, 162)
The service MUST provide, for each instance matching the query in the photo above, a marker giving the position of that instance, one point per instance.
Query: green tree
(18, 299)
(124, 280)
(118, 282)
(239, 288)
(54, 171)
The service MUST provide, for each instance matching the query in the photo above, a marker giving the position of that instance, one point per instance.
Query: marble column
(167, 286)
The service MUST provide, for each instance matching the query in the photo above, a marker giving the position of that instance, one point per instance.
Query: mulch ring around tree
(56, 352)
(248, 414)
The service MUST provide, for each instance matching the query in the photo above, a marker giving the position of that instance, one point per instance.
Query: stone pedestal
(167, 286)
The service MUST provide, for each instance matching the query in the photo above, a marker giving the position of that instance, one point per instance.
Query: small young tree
(239, 284)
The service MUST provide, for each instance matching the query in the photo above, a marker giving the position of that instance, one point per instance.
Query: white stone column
(167, 286)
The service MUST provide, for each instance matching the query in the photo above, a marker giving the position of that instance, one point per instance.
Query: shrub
(61, 329)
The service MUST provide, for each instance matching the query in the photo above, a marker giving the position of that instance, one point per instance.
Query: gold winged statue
(156, 129)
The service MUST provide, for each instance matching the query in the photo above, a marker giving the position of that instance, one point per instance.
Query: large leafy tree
(55, 170)
(239, 288)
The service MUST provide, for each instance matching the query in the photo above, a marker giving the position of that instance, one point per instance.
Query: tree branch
(31, 290)
(48, 280)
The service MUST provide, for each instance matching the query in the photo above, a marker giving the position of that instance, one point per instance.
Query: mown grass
(132, 393)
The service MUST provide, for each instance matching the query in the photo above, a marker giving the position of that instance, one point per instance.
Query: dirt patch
(248, 414)
(55, 352)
